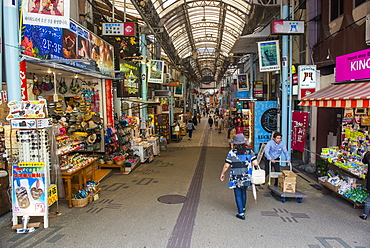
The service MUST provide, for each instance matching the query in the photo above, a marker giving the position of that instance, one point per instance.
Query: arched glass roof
(202, 31)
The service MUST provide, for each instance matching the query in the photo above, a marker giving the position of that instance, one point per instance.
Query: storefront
(350, 102)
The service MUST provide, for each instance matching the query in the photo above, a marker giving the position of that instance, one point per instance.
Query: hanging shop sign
(178, 91)
(353, 66)
(269, 55)
(129, 86)
(287, 27)
(243, 82)
(119, 29)
(23, 77)
(307, 80)
(52, 13)
(29, 187)
(109, 101)
(265, 122)
(299, 130)
(155, 71)
(75, 42)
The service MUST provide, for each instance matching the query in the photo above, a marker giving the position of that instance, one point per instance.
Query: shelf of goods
(4, 177)
(162, 125)
(78, 167)
(126, 167)
(355, 195)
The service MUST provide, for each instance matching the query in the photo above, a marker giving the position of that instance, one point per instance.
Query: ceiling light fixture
(76, 76)
(49, 71)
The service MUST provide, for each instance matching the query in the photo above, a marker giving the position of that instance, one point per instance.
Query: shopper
(366, 160)
(273, 150)
(190, 127)
(210, 122)
(240, 161)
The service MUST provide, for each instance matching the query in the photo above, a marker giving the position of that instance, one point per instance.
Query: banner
(22, 74)
(155, 71)
(51, 13)
(74, 42)
(109, 101)
(299, 130)
(129, 87)
(243, 82)
(269, 55)
(265, 122)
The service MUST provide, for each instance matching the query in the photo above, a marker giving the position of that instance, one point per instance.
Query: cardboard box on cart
(287, 181)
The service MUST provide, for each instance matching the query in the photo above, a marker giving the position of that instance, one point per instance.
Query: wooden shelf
(101, 174)
(328, 190)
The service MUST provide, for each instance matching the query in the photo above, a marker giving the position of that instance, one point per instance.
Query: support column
(144, 84)
(284, 80)
(11, 50)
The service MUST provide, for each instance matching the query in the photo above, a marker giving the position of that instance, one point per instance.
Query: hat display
(91, 139)
(92, 125)
(239, 139)
(72, 119)
(84, 125)
(96, 118)
(88, 116)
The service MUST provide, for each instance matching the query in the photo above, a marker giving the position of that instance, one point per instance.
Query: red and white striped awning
(353, 95)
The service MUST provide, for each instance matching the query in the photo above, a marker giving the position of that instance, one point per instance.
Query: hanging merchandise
(62, 88)
(36, 86)
(47, 83)
(87, 94)
(74, 88)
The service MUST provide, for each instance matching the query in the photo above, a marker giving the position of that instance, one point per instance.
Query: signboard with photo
(243, 82)
(269, 55)
(155, 71)
(74, 42)
(52, 13)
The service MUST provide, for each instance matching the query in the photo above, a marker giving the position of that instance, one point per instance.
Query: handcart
(275, 190)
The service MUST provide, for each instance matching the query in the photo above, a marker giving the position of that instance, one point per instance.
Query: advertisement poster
(155, 71)
(178, 91)
(129, 87)
(299, 130)
(29, 188)
(51, 13)
(269, 55)
(75, 42)
(243, 82)
(265, 122)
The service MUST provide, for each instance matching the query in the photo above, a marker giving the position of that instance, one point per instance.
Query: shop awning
(353, 95)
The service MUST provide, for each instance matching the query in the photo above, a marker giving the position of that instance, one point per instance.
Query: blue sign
(265, 122)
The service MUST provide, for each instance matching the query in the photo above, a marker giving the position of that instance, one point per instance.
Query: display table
(144, 151)
(81, 173)
(156, 147)
(123, 169)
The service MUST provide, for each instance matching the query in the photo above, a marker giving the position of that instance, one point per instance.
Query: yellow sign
(31, 164)
(52, 195)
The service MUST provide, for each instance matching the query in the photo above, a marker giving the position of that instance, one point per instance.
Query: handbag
(258, 175)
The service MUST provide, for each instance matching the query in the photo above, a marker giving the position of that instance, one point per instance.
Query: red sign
(174, 83)
(129, 29)
(306, 92)
(299, 130)
(22, 74)
(109, 105)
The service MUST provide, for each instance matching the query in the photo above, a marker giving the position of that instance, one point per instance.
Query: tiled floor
(129, 214)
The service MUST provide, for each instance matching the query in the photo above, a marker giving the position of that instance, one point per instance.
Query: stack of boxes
(287, 181)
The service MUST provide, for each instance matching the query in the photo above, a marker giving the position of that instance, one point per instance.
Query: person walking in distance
(273, 150)
(210, 122)
(240, 160)
(190, 127)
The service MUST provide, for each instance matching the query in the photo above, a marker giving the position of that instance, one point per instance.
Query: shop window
(336, 9)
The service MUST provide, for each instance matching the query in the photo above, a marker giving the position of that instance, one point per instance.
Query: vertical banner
(269, 55)
(243, 82)
(109, 101)
(51, 13)
(29, 189)
(155, 71)
(299, 129)
(265, 122)
(307, 80)
(22, 74)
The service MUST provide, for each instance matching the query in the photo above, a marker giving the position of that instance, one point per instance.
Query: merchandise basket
(79, 203)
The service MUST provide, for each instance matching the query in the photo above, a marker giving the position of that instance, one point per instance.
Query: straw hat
(88, 116)
(92, 125)
(91, 139)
